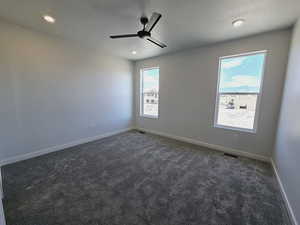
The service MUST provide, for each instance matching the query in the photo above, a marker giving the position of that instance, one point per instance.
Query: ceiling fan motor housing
(143, 34)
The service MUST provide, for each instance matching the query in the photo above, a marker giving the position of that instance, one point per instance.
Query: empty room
(149, 112)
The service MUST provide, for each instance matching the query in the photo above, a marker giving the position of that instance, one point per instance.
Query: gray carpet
(141, 179)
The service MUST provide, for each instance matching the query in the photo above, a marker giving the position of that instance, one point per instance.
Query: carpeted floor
(141, 179)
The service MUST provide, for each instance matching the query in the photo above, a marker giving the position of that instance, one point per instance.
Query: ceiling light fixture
(134, 52)
(238, 22)
(49, 19)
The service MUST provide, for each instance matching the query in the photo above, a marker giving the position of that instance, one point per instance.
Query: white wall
(54, 92)
(287, 148)
(188, 84)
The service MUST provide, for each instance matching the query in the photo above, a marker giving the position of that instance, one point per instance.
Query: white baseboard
(211, 146)
(286, 200)
(1, 187)
(59, 147)
(2, 217)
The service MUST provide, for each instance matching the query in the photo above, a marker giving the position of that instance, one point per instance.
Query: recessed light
(134, 52)
(49, 19)
(238, 23)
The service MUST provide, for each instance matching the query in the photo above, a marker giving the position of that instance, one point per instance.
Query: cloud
(241, 80)
(150, 79)
(232, 62)
(151, 83)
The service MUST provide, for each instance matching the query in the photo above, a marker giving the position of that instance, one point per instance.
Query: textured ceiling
(184, 24)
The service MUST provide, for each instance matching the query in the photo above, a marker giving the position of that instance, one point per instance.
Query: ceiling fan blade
(157, 42)
(153, 21)
(123, 36)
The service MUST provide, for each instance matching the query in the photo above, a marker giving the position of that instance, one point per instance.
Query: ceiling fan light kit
(145, 33)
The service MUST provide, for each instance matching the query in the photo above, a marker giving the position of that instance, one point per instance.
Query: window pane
(241, 74)
(237, 110)
(239, 89)
(150, 92)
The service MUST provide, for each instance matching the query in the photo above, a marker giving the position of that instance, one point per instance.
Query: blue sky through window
(151, 79)
(241, 74)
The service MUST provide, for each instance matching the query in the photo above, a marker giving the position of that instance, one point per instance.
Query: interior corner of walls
(286, 155)
(133, 64)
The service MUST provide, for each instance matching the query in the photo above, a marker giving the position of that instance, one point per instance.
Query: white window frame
(141, 93)
(258, 101)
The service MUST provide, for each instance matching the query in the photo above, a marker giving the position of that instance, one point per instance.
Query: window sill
(235, 129)
(149, 117)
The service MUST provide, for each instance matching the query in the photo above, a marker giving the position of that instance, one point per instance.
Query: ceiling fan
(145, 33)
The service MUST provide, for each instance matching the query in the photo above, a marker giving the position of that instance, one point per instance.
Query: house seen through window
(239, 91)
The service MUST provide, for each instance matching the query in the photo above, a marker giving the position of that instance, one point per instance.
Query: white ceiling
(184, 24)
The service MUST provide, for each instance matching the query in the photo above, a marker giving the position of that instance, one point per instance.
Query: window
(150, 92)
(239, 91)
